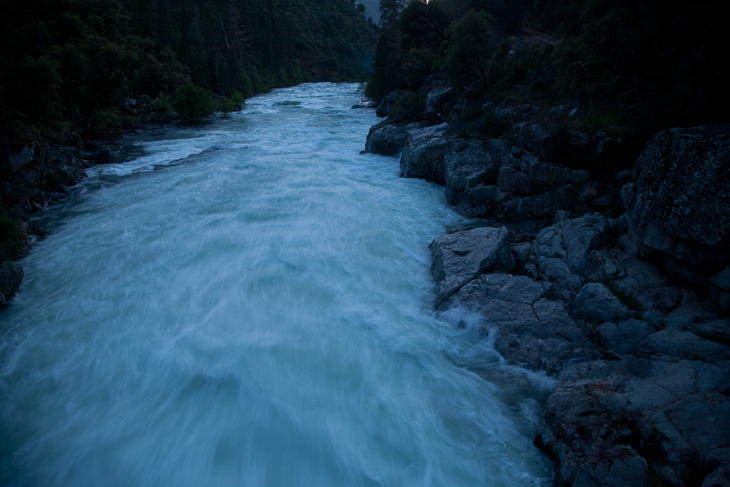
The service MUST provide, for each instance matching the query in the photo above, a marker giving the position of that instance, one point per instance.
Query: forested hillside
(631, 67)
(68, 66)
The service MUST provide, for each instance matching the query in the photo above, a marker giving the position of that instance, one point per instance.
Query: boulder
(546, 176)
(535, 138)
(529, 330)
(460, 257)
(720, 477)
(438, 100)
(383, 108)
(106, 156)
(463, 169)
(512, 179)
(388, 139)
(680, 203)
(19, 159)
(423, 155)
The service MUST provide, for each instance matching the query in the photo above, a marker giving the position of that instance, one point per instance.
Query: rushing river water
(249, 303)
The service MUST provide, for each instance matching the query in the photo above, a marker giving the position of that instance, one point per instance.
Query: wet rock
(481, 199)
(461, 256)
(388, 139)
(11, 275)
(529, 330)
(106, 156)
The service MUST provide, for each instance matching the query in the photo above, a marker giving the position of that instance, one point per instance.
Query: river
(248, 303)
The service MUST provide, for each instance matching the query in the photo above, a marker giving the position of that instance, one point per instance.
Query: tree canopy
(66, 63)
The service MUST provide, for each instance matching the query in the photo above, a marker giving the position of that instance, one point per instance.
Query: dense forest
(631, 66)
(67, 67)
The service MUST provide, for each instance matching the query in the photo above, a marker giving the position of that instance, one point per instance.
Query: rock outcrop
(34, 177)
(678, 206)
(641, 361)
(642, 366)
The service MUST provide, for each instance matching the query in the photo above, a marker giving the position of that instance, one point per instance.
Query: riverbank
(35, 174)
(620, 292)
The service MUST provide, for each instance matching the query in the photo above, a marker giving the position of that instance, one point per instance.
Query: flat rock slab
(460, 257)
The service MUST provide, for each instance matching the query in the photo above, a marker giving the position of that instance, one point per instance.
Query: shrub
(238, 100)
(226, 106)
(193, 103)
(161, 104)
(408, 107)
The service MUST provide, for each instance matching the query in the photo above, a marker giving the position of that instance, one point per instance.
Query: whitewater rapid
(248, 303)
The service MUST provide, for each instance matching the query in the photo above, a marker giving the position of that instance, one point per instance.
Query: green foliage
(408, 107)
(68, 63)
(161, 105)
(193, 103)
(238, 101)
(470, 42)
(226, 106)
(632, 67)
(105, 123)
(12, 237)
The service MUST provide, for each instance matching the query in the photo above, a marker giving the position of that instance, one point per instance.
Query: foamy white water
(248, 303)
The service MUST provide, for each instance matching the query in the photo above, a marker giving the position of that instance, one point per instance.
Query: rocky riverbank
(34, 177)
(621, 294)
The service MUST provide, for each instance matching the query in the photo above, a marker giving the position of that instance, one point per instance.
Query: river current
(248, 303)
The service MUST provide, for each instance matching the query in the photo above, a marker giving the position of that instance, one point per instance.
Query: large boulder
(388, 139)
(423, 156)
(680, 203)
(439, 100)
(460, 257)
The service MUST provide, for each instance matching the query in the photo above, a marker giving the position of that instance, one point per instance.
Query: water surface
(248, 303)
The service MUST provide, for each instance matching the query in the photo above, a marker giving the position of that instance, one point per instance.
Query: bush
(161, 105)
(193, 103)
(238, 101)
(226, 106)
(408, 107)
